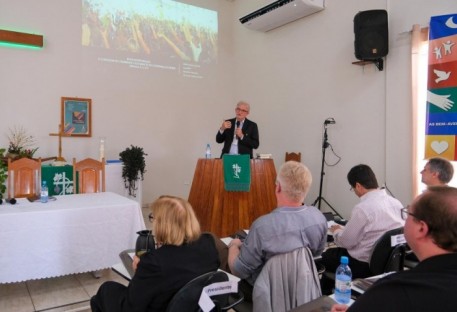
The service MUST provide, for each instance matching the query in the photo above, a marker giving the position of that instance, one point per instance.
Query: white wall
(172, 118)
(294, 77)
(301, 73)
(305, 75)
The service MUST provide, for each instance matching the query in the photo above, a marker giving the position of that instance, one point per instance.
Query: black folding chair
(186, 299)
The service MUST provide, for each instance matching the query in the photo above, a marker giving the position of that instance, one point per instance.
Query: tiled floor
(67, 293)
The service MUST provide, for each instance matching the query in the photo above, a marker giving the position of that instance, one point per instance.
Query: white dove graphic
(450, 23)
(442, 75)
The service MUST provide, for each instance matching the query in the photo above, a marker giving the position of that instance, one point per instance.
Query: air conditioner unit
(279, 13)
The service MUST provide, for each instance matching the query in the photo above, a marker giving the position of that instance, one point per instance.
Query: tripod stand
(325, 144)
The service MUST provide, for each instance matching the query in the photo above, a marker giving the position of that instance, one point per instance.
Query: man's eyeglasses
(241, 110)
(151, 217)
(405, 213)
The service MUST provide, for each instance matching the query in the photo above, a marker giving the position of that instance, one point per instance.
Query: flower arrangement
(21, 143)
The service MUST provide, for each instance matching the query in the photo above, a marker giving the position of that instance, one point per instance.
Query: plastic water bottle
(343, 282)
(44, 192)
(208, 151)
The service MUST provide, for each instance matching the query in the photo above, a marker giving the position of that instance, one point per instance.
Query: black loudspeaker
(371, 35)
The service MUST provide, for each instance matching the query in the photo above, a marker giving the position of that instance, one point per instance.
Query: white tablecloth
(74, 234)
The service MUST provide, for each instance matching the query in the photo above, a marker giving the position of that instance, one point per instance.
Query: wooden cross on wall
(60, 134)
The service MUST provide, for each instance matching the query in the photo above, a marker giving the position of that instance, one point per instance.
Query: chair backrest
(89, 175)
(24, 176)
(293, 156)
(385, 257)
(186, 299)
(286, 281)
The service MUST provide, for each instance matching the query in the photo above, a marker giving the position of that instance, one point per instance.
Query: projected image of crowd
(166, 29)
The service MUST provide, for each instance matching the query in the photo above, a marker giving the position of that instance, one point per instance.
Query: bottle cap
(344, 260)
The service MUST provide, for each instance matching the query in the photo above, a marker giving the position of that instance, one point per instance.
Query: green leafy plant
(134, 167)
(3, 172)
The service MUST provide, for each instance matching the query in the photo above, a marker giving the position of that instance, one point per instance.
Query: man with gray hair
(290, 226)
(239, 135)
(437, 172)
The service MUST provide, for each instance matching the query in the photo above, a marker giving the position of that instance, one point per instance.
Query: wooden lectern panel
(222, 212)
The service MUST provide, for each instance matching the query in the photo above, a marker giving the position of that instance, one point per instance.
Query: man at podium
(239, 135)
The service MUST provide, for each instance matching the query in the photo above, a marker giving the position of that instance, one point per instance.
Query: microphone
(330, 121)
(237, 125)
(11, 201)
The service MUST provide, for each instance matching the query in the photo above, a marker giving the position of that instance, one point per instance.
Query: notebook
(127, 260)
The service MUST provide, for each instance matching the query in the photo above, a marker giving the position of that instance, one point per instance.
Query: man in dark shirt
(431, 232)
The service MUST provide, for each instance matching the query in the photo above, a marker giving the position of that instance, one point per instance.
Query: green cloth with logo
(58, 178)
(237, 173)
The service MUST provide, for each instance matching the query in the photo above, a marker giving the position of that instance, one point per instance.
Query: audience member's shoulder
(262, 220)
(314, 210)
(207, 238)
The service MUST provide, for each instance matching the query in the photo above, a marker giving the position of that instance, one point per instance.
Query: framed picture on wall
(77, 117)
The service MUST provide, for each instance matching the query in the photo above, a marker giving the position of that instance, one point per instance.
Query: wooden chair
(89, 175)
(24, 176)
(293, 156)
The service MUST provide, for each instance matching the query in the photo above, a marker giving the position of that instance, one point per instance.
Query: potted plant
(134, 167)
(3, 173)
(20, 143)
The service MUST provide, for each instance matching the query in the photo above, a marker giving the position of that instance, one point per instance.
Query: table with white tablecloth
(73, 234)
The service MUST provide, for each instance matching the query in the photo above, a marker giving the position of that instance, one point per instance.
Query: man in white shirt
(376, 214)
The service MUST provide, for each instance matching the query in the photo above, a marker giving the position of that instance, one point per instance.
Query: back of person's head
(174, 221)
(363, 175)
(443, 167)
(437, 207)
(295, 179)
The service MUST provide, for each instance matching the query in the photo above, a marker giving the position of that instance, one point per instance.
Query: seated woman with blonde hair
(182, 253)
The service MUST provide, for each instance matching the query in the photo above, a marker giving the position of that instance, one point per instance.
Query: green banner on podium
(237, 173)
(58, 178)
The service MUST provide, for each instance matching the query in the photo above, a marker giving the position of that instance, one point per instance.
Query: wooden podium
(222, 212)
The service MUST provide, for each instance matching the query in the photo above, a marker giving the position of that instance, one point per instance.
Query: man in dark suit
(239, 135)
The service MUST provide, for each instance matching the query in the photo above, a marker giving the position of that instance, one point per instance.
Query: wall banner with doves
(441, 115)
